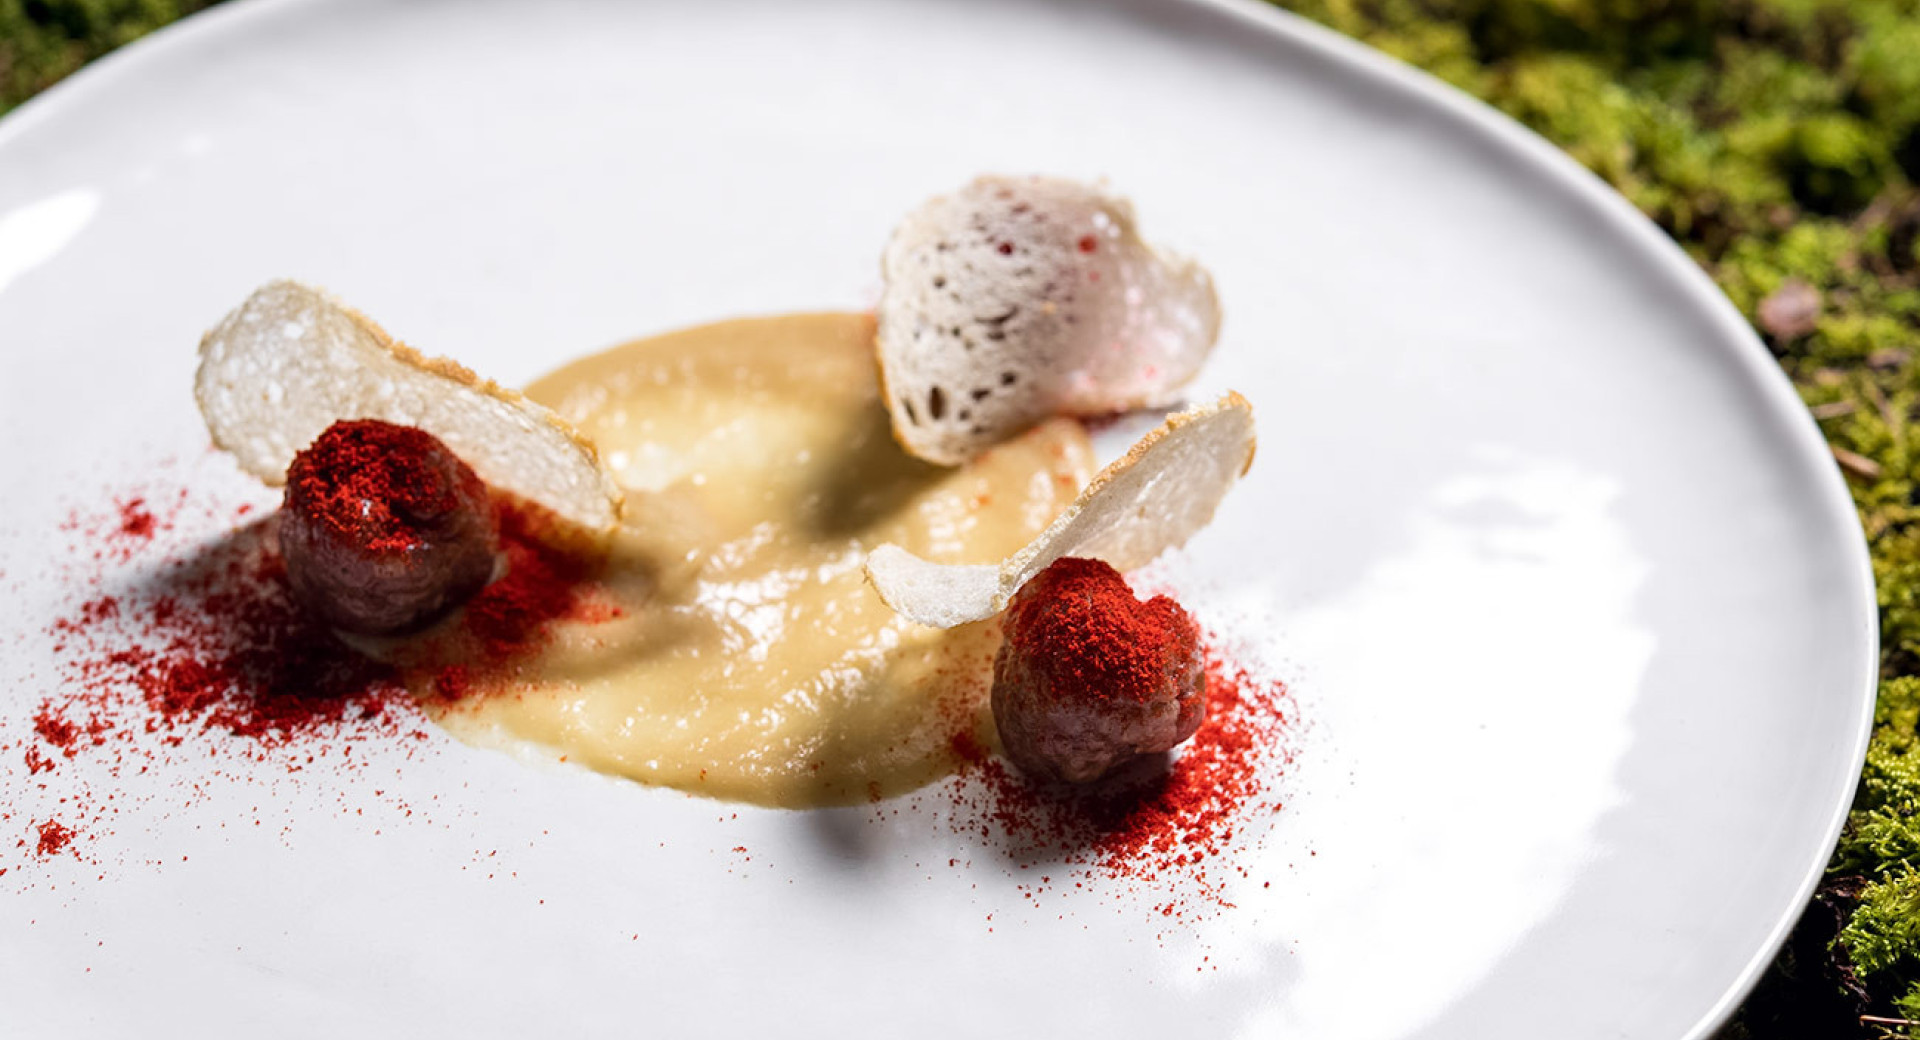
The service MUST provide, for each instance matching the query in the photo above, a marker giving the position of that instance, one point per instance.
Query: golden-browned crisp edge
(1013, 564)
(1230, 399)
(465, 376)
(449, 369)
(461, 374)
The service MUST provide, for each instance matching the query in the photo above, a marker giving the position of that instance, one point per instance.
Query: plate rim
(1463, 115)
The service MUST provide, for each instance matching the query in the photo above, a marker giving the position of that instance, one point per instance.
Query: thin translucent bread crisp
(1164, 490)
(291, 361)
(1019, 298)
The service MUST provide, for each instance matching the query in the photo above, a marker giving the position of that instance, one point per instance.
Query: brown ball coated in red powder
(384, 529)
(1088, 677)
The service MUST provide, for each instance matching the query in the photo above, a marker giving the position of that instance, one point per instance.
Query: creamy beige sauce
(752, 660)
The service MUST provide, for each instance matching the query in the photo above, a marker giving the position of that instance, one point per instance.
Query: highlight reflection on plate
(1572, 603)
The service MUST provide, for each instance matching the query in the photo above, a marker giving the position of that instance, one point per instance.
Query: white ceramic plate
(1572, 600)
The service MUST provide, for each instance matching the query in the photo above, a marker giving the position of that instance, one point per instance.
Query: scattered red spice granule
(453, 682)
(136, 521)
(53, 728)
(36, 761)
(54, 838)
(128, 528)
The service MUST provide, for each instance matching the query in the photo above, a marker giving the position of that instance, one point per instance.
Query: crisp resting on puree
(792, 561)
(721, 559)
(752, 661)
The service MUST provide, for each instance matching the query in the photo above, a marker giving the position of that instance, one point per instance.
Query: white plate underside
(1571, 600)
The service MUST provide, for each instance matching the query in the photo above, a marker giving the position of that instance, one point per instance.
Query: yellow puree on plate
(752, 660)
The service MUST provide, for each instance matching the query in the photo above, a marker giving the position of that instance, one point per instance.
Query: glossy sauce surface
(751, 660)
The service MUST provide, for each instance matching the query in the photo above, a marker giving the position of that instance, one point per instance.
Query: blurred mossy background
(1779, 142)
(44, 40)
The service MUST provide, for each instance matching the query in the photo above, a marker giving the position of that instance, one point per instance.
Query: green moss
(1835, 162)
(1886, 66)
(1908, 1006)
(1756, 77)
(1884, 833)
(1884, 933)
(42, 41)
(1857, 336)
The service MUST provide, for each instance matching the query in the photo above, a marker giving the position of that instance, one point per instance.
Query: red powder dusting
(128, 529)
(199, 653)
(1172, 831)
(176, 656)
(509, 620)
(1192, 809)
(1080, 622)
(543, 582)
(136, 521)
(55, 729)
(1088, 677)
(453, 682)
(379, 485)
(218, 644)
(54, 838)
